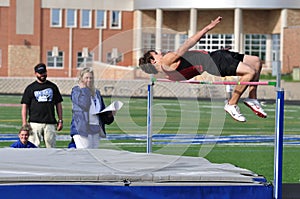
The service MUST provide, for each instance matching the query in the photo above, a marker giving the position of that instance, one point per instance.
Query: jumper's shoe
(234, 111)
(255, 106)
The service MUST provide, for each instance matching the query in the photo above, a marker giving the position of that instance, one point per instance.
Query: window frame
(80, 59)
(74, 18)
(148, 41)
(255, 44)
(59, 25)
(112, 20)
(275, 47)
(212, 42)
(104, 19)
(168, 42)
(52, 61)
(110, 60)
(82, 25)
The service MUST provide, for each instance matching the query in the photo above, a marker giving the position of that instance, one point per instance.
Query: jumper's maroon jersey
(191, 64)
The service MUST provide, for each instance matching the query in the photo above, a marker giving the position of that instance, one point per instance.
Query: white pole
(70, 51)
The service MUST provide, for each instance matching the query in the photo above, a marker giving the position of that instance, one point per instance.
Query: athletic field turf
(186, 127)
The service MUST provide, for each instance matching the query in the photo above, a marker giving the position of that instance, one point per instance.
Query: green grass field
(190, 117)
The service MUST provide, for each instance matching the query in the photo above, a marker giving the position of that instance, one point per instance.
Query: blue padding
(61, 191)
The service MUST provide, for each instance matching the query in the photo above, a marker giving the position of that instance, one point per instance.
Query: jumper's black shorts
(227, 61)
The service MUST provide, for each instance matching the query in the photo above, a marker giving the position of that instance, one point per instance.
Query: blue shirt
(19, 144)
(81, 102)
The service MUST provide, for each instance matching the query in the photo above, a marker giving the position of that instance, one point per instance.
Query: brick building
(65, 34)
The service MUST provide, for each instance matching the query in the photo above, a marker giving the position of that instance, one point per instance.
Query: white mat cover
(102, 166)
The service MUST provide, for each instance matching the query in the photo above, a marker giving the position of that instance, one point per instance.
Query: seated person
(23, 138)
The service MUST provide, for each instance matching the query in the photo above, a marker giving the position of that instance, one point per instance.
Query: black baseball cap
(40, 68)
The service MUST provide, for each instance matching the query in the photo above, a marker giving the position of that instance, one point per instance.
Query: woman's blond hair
(84, 71)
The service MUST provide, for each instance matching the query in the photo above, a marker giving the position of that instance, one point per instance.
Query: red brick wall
(291, 49)
(23, 50)
(82, 38)
(19, 59)
(4, 12)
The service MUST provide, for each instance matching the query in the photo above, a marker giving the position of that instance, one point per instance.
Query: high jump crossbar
(279, 120)
(266, 83)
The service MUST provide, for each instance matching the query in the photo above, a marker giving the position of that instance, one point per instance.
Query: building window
(115, 19)
(255, 44)
(209, 42)
(55, 61)
(71, 18)
(148, 41)
(114, 57)
(168, 42)
(56, 17)
(212, 42)
(100, 19)
(86, 16)
(275, 47)
(82, 60)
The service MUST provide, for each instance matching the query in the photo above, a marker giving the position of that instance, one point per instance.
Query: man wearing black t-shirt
(39, 101)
